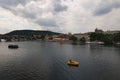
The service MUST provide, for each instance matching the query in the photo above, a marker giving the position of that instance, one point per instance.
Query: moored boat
(13, 46)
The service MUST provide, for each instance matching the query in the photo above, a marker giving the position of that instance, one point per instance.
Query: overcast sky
(65, 16)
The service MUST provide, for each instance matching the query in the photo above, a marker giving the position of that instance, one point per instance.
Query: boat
(95, 42)
(50, 40)
(73, 63)
(13, 46)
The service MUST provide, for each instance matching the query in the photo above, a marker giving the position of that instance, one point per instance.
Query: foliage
(96, 36)
(117, 37)
(73, 38)
(31, 32)
(42, 37)
(108, 38)
(82, 40)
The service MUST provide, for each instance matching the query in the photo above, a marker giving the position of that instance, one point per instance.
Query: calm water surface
(47, 61)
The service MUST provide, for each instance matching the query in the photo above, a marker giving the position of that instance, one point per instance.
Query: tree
(42, 37)
(108, 39)
(92, 36)
(117, 37)
(73, 38)
(96, 36)
(82, 40)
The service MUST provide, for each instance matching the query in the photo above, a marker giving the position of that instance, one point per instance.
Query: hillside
(31, 32)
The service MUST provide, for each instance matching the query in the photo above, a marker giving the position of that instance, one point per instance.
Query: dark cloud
(47, 22)
(29, 15)
(8, 3)
(59, 8)
(117, 5)
(102, 11)
(106, 7)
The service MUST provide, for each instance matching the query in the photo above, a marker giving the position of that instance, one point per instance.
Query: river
(37, 60)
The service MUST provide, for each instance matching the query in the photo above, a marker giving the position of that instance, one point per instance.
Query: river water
(36, 60)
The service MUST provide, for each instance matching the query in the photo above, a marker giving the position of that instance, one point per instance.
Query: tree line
(106, 38)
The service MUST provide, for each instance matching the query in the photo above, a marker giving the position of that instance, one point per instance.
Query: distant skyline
(64, 16)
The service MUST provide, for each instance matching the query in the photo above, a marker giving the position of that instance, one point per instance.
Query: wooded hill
(31, 32)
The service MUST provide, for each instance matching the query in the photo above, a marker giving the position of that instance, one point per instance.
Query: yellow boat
(73, 63)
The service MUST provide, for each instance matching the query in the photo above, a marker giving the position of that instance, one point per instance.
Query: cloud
(104, 7)
(8, 3)
(47, 22)
(58, 7)
(30, 8)
(59, 15)
(9, 21)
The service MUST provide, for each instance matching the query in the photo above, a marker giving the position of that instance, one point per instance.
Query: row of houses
(65, 37)
(60, 37)
(78, 35)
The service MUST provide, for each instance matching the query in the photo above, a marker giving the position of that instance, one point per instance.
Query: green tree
(96, 36)
(108, 39)
(82, 40)
(73, 38)
(117, 37)
(42, 37)
(92, 36)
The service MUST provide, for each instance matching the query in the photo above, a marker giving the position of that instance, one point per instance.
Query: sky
(75, 16)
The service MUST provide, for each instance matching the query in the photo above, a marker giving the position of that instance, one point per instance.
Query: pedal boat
(73, 63)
